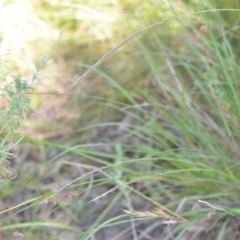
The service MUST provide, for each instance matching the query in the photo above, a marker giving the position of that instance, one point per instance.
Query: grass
(167, 151)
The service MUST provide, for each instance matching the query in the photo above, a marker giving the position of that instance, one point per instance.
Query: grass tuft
(153, 131)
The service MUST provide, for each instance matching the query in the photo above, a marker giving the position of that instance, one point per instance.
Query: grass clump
(167, 166)
(192, 115)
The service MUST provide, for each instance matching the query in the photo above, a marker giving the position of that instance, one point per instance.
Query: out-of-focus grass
(88, 30)
(175, 92)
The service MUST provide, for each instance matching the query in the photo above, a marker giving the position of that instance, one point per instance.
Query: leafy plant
(14, 96)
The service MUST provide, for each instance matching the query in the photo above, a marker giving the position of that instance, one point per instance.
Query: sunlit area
(119, 119)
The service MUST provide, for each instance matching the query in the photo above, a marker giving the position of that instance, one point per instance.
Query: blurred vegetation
(152, 130)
